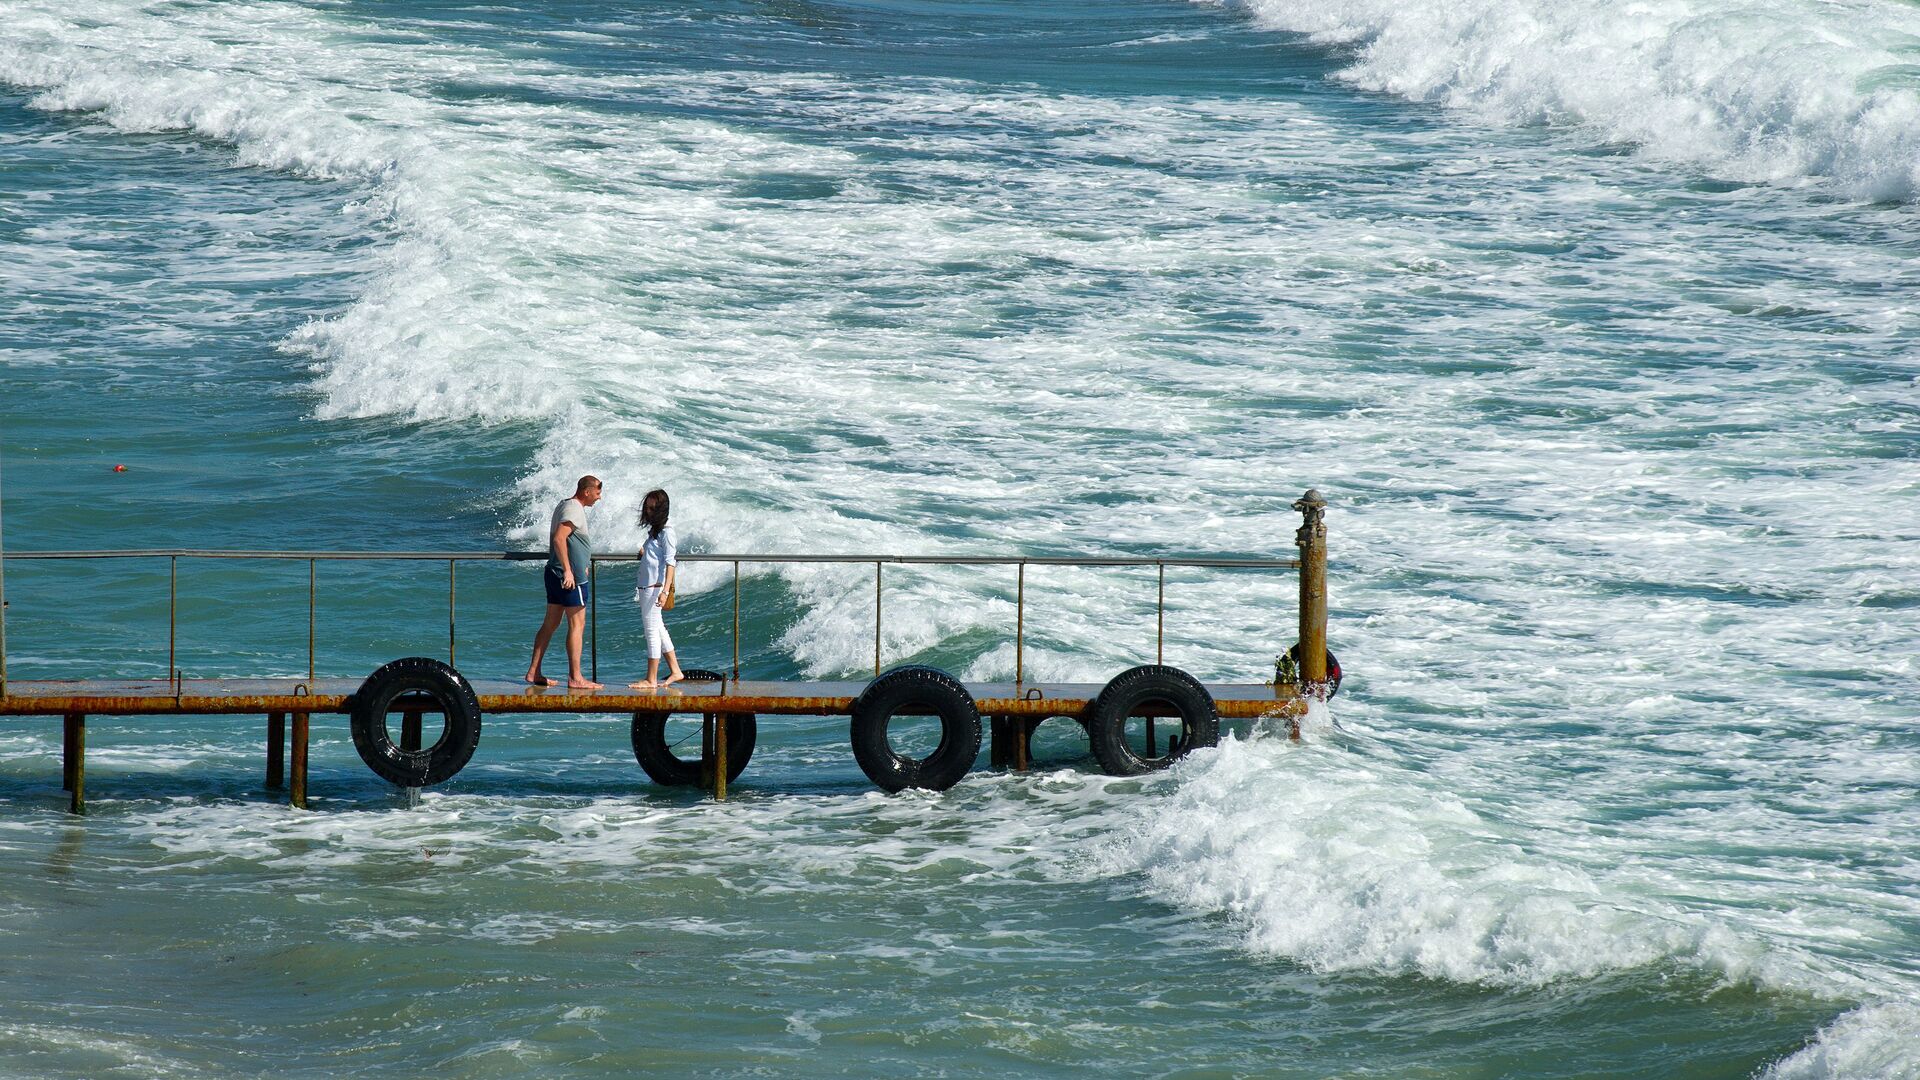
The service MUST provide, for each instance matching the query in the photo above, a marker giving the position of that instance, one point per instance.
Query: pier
(1143, 719)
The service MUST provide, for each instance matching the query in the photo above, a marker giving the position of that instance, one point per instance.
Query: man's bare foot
(534, 678)
(643, 686)
(582, 684)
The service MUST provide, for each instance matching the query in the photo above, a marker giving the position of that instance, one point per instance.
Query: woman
(657, 563)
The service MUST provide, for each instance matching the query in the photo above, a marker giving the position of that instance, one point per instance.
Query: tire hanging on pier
(1158, 687)
(663, 766)
(915, 690)
(1333, 669)
(434, 686)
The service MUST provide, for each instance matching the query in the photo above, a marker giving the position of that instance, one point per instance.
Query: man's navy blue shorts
(574, 597)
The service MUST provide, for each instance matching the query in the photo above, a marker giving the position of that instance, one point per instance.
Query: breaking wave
(1764, 90)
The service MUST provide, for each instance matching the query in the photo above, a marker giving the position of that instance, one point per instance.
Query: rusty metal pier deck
(1147, 693)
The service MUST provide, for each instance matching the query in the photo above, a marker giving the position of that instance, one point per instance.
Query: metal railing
(454, 558)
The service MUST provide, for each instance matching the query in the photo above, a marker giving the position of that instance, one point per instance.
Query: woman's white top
(658, 553)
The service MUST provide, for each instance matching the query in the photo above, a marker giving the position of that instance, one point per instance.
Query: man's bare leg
(540, 642)
(576, 641)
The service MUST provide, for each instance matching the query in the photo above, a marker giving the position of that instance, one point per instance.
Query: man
(569, 566)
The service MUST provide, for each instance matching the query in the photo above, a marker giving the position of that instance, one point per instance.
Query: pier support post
(1312, 541)
(1012, 741)
(276, 749)
(410, 730)
(720, 757)
(298, 796)
(77, 762)
(706, 751)
(66, 752)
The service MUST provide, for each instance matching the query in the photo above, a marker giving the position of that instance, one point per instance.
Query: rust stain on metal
(201, 697)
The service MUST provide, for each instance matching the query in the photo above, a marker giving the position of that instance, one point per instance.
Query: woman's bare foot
(582, 684)
(673, 678)
(643, 686)
(534, 678)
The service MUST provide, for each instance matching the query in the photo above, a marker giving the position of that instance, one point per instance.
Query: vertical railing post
(1160, 623)
(3, 599)
(1020, 627)
(1312, 541)
(736, 620)
(876, 617)
(450, 638)
(300, 724)
(173, 604)
(593, 617)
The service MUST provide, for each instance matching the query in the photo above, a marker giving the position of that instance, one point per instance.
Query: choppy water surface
(1596, 327)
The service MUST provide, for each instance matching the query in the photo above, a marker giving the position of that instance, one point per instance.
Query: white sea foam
(1753, 89)
(1615, 502)
(1872, 1043)
(1349, 861)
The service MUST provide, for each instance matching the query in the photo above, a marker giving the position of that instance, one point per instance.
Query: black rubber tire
(920, 691)
(1333, 669)
(451, 695)
(1150, 684)
(664, 767)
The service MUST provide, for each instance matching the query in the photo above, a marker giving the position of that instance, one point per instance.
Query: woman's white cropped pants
(658, 640)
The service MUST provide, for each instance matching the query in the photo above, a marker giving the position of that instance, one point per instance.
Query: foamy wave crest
(1755, 90)
(1872, 1043)
(139, 80)
(1348, 864)
(221, 73)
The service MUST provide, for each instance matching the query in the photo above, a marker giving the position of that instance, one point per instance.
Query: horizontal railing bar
(528, 556)
(988, 560)
(187, 553)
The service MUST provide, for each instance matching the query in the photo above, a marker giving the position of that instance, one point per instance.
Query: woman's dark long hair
(653, 512)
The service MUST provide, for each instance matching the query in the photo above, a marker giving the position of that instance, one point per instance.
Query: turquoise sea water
(1596, 328)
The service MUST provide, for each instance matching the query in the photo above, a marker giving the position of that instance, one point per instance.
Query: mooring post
(1312, 541)
(276, 749)
(78, 770)
(297, 797)
(720, 757)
